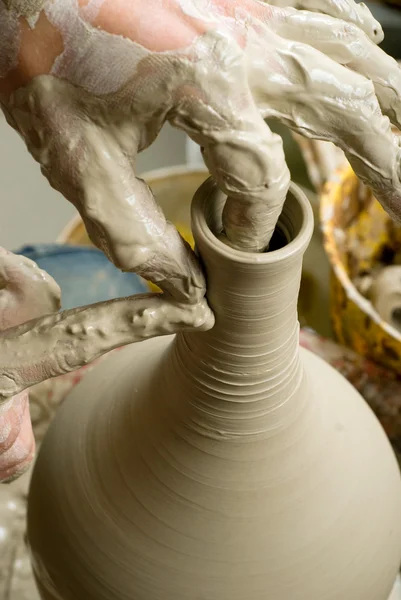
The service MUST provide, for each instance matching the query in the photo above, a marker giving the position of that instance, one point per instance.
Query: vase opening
(245, 287)
(291, 236)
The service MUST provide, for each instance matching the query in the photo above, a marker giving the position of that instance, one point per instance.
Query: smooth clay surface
(222, 465)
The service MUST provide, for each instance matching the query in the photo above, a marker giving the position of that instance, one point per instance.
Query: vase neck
(248, 365)
(256, 330)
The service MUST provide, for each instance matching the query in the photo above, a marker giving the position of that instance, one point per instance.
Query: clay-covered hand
(26, 292)
(89, 84)
(38, 342)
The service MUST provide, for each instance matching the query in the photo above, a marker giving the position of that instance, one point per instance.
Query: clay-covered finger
(26, 292)
(88, 153)
(348, 45)
(244, 157)
(60, 343)
(321, 99)
(347, 10)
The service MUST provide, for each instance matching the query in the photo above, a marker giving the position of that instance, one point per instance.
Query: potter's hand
(215, 68)
(37, 342)
(348, 10)
(26, 292)
(60, 343)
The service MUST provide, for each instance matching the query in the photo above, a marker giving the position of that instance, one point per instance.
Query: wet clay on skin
(37, 342)
(25, 8)
(214, 444)
(26, 292)
(60, 343)
(195, 88)
(85, 131)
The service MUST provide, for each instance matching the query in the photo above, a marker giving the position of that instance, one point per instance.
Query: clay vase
(226, 465)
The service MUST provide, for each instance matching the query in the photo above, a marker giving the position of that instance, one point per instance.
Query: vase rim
(209, 193)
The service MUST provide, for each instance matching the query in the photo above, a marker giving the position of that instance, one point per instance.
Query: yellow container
(357, 232)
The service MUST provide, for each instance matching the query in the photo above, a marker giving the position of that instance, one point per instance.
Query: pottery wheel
(16, 578)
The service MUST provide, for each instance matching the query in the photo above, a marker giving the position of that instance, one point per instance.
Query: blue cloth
(84, 274)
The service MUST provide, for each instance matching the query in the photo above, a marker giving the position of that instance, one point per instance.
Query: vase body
(225, 465)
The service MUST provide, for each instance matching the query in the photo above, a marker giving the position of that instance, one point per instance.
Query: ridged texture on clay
(224, 465)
